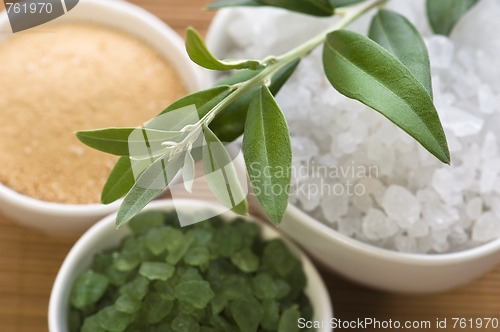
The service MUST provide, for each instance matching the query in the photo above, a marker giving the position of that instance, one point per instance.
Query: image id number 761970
(475, 323)
(31, 7)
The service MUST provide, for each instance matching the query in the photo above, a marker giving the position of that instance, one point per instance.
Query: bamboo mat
(29, 261)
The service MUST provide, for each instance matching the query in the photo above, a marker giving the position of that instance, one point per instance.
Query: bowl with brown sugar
(105, 63)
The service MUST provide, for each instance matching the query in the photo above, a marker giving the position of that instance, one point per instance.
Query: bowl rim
(32, 204)
(81, 248)
(214, 41)
(28, 203)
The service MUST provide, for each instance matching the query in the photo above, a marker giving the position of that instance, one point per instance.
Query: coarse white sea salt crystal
(440, 247)
(303, 148)
(479, 28)
(497, 185)
(242, 31)
(454, 144)
(363, 203)
(307, 193)
(427, 195)
(487, 99)
(460, 122)
(490, 170)
(458, 237)
(346, 142)
(441, 236)
(441, 51)
(377, 226)
(414, 11)
(424, 244)
(419, 229)
(486, 228)
(494, 205)
(334, 206)
(406, 244)
(349, 226)
(401, 205)
(472, 157)
(373, 187)
(443, 182)
(377, 151)
(474, 208)
(465, 178)
(490, 146)
(440, 216)
(386, 134)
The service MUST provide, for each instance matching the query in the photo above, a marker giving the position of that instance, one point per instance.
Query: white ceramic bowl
(121, 15)
(104, 235)
(386, 269)
(363, 263)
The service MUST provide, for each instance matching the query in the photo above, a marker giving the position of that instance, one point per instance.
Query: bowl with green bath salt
(226, 273)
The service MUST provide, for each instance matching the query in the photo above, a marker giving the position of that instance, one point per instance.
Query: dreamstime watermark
(27, 14)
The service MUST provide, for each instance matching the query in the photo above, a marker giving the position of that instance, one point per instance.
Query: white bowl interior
(104, 235)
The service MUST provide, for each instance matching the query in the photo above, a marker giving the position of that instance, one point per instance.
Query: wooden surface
(29, 261)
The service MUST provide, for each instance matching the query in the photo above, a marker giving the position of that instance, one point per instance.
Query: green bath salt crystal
(136, 288)
(127, 304)
(213, 276)
(195, 292)
(89, 287)
(156, 271)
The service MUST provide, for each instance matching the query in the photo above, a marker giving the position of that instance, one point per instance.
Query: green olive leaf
(268, 154)
(204, 101)
(343, 3)
(443, 15)
(397, 35)
(238, 77)
(310, 7)
(118, 141)
(221, 174)
(281, 77)
(361, 69)
(119, 182)
(228, 125)
(121, 179)
(110, 140)
(199, 53)
(232, 3)
(152, 182)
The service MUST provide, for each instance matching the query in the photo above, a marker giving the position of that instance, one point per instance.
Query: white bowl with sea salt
(378, 208)
(75, 218)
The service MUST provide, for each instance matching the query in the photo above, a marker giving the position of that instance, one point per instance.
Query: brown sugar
(66, 78)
